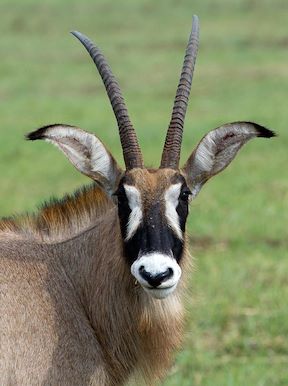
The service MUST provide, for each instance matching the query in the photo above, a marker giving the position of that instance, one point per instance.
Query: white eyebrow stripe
(171, 202)
(136, 215)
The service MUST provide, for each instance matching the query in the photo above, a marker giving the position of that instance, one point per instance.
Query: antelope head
(152, 203)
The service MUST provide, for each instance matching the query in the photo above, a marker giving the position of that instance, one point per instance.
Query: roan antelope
(90, 286)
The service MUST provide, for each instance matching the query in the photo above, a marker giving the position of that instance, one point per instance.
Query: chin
(160, 293)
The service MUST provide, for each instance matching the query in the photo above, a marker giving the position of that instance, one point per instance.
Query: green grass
(237, 331)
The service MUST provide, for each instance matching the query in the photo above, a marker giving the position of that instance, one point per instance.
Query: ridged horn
(172, 146)
(131, 150)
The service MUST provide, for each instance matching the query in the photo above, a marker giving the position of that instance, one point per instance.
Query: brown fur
(59, 219)
(71, 312)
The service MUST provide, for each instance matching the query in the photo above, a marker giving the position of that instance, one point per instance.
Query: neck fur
(133, 329)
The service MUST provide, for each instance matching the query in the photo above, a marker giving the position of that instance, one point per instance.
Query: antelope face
(152, 209)
(152, 204)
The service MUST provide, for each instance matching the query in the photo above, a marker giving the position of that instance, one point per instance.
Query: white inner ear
(84, 150)
(136, 215)
(212, 156)
(100, 160)
(171, 202)
(205, 154)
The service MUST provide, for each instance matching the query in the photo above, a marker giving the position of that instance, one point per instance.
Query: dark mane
(60, 218)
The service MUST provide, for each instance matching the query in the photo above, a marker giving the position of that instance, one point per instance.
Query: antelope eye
(185, 194)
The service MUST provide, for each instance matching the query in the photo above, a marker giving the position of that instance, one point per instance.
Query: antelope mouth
(160, 292)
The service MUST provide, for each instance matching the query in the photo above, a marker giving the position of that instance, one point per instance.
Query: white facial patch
(171, 202)
(156, 263)
(135, 217)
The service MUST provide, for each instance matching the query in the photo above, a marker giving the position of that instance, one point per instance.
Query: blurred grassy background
(237, 331)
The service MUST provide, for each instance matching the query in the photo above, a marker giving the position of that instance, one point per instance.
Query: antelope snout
(155, 279)
(157, 273)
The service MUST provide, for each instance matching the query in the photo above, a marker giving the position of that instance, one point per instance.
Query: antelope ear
(217, 149)
(84, 150)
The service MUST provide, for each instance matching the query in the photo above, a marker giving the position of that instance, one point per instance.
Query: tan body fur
(71, 312)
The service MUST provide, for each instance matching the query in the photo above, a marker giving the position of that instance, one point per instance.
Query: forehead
(152, 181)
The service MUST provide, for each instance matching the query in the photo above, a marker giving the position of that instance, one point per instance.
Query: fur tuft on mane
(59, 219)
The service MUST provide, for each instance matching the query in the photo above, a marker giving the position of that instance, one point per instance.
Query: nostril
(145, 274)
(170, 273)
(163, 276)
(155, 280)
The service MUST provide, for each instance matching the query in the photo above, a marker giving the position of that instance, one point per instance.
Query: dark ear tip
(264, 132)
(40, 133)
(37, 134)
